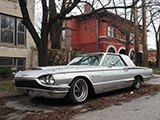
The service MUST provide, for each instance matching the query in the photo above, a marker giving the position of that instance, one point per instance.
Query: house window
(20, 33)
(111, 50)
(7, 29)
(63, 34)
(132, 55)
(125, 36)
(149, 55)
(140, 40)
(111, 31)
(5, 62)
(11, 28)
(19, 63)
(132, 37)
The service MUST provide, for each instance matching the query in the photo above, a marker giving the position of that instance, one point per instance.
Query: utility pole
(145, 51)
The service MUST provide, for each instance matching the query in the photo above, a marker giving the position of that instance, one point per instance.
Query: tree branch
(61, 15)
(27, 21)
(44, 17)
(98, 10)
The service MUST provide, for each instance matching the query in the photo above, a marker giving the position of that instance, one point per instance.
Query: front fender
(67, 78)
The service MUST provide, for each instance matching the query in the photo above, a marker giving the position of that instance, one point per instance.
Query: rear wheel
(137, 83)
(79, 91)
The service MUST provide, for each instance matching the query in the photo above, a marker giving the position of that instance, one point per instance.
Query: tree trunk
(158, 56)
(56, 29)
(157, 59)
(127, 43)
(42, 51)
(55, 34)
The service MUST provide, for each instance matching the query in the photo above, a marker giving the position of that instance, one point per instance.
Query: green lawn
(156, 70)
(8, 87)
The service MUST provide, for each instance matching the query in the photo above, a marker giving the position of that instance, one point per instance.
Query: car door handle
(125, 69)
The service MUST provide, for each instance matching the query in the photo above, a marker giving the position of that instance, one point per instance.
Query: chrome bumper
(54, 93)
(146, 78)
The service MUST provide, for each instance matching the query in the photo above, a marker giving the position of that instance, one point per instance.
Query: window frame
(132, 37)
(15, 31)
(63, 34)
(15, 63)
(110, 65)
(21, 66)
(149, 55)
(111, 31)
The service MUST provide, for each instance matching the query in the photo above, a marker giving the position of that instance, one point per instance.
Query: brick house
(65, 37)
(94, 35)
(152, 55)
(15, 40)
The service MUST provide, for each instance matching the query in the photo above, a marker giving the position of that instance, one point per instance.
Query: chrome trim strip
(114, 81)
(148, 76)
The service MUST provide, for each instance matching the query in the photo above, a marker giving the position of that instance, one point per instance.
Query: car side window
(113, 61)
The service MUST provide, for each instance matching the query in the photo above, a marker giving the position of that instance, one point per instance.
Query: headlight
(51, 80)
(47, 80)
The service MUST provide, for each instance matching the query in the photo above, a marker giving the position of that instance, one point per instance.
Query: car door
(115, 73)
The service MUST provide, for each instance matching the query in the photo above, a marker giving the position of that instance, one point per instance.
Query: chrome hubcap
(80, 90)
(138, 83)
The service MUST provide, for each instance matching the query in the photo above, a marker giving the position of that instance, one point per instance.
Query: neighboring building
(15, 40)
(152, 54)
(94, 35)
(66, 38)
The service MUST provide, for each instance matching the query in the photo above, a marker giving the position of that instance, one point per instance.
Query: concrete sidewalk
(154, 80)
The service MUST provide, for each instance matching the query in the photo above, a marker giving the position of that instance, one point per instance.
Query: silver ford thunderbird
(87, 74)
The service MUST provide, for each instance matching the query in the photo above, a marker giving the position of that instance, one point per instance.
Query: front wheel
(137, 83)
(78, 92)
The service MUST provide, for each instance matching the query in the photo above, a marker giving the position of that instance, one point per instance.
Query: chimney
(87, 8)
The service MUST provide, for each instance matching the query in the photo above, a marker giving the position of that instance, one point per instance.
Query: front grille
(29, 83)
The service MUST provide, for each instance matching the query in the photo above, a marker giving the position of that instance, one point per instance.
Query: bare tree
(154, 10)
(62, 10)
(124, 24)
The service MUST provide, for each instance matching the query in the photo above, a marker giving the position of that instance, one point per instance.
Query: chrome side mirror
(112, 64)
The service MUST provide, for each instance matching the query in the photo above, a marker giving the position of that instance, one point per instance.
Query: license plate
(32, 93)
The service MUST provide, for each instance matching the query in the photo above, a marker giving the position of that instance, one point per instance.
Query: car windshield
(92, 60)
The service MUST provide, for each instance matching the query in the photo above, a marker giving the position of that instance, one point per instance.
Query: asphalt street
(143, 108)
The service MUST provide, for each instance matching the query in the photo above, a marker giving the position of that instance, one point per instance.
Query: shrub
(151, 64)
(5, 72)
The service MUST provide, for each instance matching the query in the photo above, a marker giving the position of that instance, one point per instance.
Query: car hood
(39, 71)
